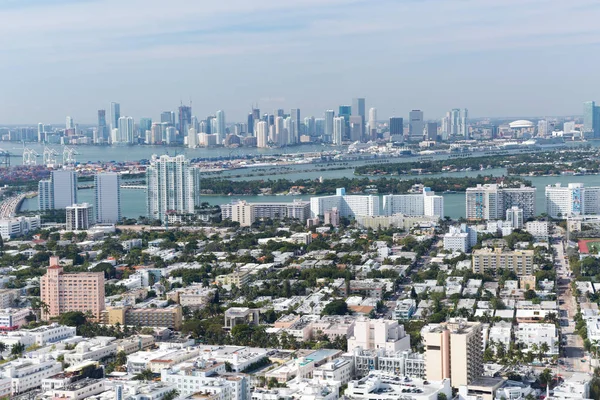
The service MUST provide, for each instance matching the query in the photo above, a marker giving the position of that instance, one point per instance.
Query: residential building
(453, 350)
(18, 226)
(456, 240)
(339, 370)
(348, 205)
(27, 374)
(530, 333)
(8, 297)
(514, 215)
(591, 120)
(572, 200)
(426, 203)
(491, 260)
(332, 217)
(173, 186)
(249, 212)
(79, 390)
(538, 229)
(241, 315)
(13, 318)
(94, 349)
(62, 292)
(490, 201)
(238, 278)
(107, 194)
(372, 334)
(405, 309)
(80, 217)
(165, 317)
(59, 191)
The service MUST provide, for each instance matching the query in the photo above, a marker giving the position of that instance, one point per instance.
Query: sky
(494, 57)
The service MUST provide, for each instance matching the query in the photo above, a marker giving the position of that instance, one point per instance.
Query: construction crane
(30, 156)
(69, 154)
(50, 156)
(4, 158)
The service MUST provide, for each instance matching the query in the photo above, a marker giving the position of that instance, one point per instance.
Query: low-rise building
(13, 318)
(383, 386)
(529, 334)
(339, 370)
(405, 309)
(378, 334)
(491, 260)
(241, 315)
(27, 374)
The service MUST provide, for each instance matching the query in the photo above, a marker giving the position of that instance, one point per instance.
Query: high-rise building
(591, 119)
(416, 125)
(41, 135)
(107, 194)
(185, 119)
(356, 128)
(102, 128)
(348, 206)
(309, 126)
(454, 121)
(220, 125)
(446, 126)
(453, 350)
(464, 123)
(490, 201)
(339, 127)
(426, 203)
(192, 138)
(432, 129)
(115, 114)
(173, 186)
(59, 191)
(358, 108)
(372, 123)
(145, 125)
(514, 215)
(280, 132)
(294, 130)
(396, 128)
(155, 133)
(126, 130)
(542, 128)
(81, 291)
(167, 117)
(329, 116)
(262, 134)
(80, 217)
(69, 124)
(572, 200)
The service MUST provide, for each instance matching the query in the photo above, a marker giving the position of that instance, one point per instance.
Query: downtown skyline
(496, 58)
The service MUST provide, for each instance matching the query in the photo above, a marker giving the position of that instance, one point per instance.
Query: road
(574, 351)
(8, 208)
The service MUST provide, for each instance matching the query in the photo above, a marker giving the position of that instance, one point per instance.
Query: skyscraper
(220, 131)
(373, 123)
(167, 117)
(329, 115)
(356, 128)
(339, 128)
(59, 191)
(102, 128)
(262, 133)
(79, 217)
(432, 128)
(185, 119)
(173, 186)
(416, 125)
(41, 135)
(280, 132)
(294, 132)
(115, 114)
(192, 138)
(126, 129)
(309, 126)
(145, 125)
(107, 195)
(464, 126)
(396, 128)
(69, 124)
(358, 108)
(591, 119)
(454, 121)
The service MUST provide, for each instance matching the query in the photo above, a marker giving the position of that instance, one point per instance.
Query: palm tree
(17, 349)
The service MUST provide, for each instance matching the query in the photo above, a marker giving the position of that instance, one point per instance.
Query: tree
(3, 347)
(545, 377)
(442, 396)
(17, 349)
(172, 395)
(72, 318)
(145, 375)
(121, 358)
(336, 307)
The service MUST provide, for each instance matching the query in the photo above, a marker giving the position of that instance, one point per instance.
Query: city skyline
(442, 55)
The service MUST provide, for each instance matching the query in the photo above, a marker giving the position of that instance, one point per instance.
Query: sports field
(589, 246)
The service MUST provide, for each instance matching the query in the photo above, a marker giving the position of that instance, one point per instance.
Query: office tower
(115, 114)
(358, 108)
(309, 126)
(250, 124)
(185, 119)
(256, 113)
(80, 217)
(464, 125)
(453, 350)
(416, 125)
(572, 200)
(167, 117)
(107, 195)
(396, 128)
(145, 125)
(126, 129)
(329, 115)
(192, 138)
(432, 128)
(279, 112)
(372, 123)
(173, 186)
(262, 134)
(195, 123)
(490, 201)
(339, 127)
(220, 126)
(69, 124)
(591, 122)
(294, 131)
(62, 292)
(59, 191)
(356, 128)
(345, 112)
(102, 128)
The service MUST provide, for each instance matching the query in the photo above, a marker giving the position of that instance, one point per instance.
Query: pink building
(83, 291)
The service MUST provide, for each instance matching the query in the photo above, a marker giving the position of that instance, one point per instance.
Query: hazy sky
(495, 57)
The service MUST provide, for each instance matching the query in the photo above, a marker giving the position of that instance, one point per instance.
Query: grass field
(589, 246)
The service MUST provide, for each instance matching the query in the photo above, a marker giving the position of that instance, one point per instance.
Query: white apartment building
(298, 209)
(80, 390)
(402, 363)
(93, 350)
(8, 296)
(538, 229)
(572, 200)
(373, 334)
(107, 194)
(173, 186)
(59, 191)
(19, 226)
(13, 317)
(347, 205)
(534, 333)
(80, 217)
(514, 215)
(490, 201)
(27, 374)
(339, 370)
(456, 240)
(426, 203)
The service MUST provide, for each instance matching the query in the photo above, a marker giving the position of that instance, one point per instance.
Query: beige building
(453, 350)
(243, 213)
(83, 291)
(519, 261)
(238, 278)
(168, 317)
